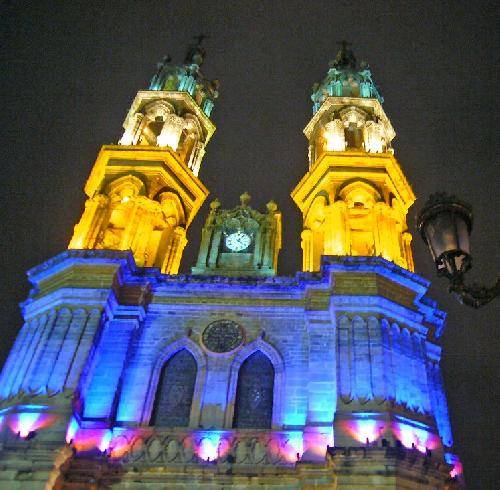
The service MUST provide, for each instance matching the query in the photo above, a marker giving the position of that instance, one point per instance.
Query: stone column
(171, 131)
(408, 255)
(196, 158)
(307, 250)
(215, 395)
(92, 222)
(133, 222)
(36, 367)
(385, 236)
(376, 359)
(334, 135)
(260, 246)
(361, 367)
(51, 350)
(131, 133)
(67, 350)
(389, 365)
(173, 254)
(337, 230)
(142, 236)
(214, 251)
(109, 361)
(83, 348)
(13, 360)
(17, 360)
(344, 360)
(321, 386)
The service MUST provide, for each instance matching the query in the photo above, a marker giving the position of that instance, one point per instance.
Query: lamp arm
(474, 295)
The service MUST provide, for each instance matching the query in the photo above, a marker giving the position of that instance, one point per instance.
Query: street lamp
(445, 224)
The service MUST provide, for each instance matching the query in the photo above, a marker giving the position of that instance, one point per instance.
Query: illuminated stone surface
(124, 376)
(355, 197)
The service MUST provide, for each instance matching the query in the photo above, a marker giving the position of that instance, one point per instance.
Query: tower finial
(196, 53)
(245, 198)
(345, 57)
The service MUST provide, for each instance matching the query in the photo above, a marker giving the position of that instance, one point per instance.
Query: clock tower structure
(240, 241)
(144, 192)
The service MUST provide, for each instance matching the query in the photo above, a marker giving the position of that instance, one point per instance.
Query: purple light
(26, 422)
(410, 436)
(365, 429)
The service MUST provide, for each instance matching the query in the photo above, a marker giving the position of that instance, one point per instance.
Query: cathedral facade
(127, 374)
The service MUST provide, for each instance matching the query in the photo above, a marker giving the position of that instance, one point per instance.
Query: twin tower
(144, 192)
(125, 377)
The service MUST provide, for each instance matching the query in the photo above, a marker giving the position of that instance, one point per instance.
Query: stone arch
(164, 356)
(320, 201)
(126, 186)
(279, 378)
(315, 219)
(120, 194)
(192, 134)
(158, 108)
(193, 124)
(359, 191)
(171, 206)
(155, 114)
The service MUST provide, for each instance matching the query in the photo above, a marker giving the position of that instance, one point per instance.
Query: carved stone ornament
(223, 336)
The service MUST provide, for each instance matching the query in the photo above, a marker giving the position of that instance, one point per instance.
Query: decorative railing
(163, 447)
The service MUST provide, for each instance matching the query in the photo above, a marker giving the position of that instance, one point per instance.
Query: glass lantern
(445, 224)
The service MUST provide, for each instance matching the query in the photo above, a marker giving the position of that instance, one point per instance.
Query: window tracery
(254, 393)
(174, 395)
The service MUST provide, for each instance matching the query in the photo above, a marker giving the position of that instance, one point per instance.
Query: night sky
(70, 71)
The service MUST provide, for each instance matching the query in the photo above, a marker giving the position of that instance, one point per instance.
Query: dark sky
(70, 71)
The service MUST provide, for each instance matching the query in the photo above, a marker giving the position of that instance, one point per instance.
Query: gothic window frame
(279, 381)
(165, 355)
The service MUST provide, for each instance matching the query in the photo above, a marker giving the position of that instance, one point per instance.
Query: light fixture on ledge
(445, 224)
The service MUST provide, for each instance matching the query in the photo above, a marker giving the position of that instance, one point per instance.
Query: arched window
(254, 393)
(174, 395)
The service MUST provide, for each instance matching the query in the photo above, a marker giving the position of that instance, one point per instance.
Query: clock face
(238, 241)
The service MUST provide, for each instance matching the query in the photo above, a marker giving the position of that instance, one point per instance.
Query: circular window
(223, 336)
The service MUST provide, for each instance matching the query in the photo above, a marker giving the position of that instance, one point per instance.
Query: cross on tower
(345, 57)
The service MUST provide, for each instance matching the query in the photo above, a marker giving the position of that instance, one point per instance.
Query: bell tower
(355, 197)
(144, 192)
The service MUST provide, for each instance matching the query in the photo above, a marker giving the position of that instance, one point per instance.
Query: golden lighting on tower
(354, 199)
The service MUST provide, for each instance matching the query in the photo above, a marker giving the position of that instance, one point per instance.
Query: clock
(238, 241)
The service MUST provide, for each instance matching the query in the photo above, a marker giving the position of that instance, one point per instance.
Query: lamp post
(445, 224)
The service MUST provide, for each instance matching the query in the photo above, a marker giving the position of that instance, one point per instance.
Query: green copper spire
(345, 79)
(188, 77)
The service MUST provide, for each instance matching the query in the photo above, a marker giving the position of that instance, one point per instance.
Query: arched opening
(122, 193)
(174, 395)
(360, 198)
(254, 393)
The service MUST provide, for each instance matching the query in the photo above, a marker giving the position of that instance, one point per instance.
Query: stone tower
(144, 192)
(126, 374)
(355, 197)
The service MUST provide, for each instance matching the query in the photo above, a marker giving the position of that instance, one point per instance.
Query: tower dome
(345, 79)
(187, 77)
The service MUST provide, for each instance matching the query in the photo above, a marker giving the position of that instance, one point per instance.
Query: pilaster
(108, 365)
